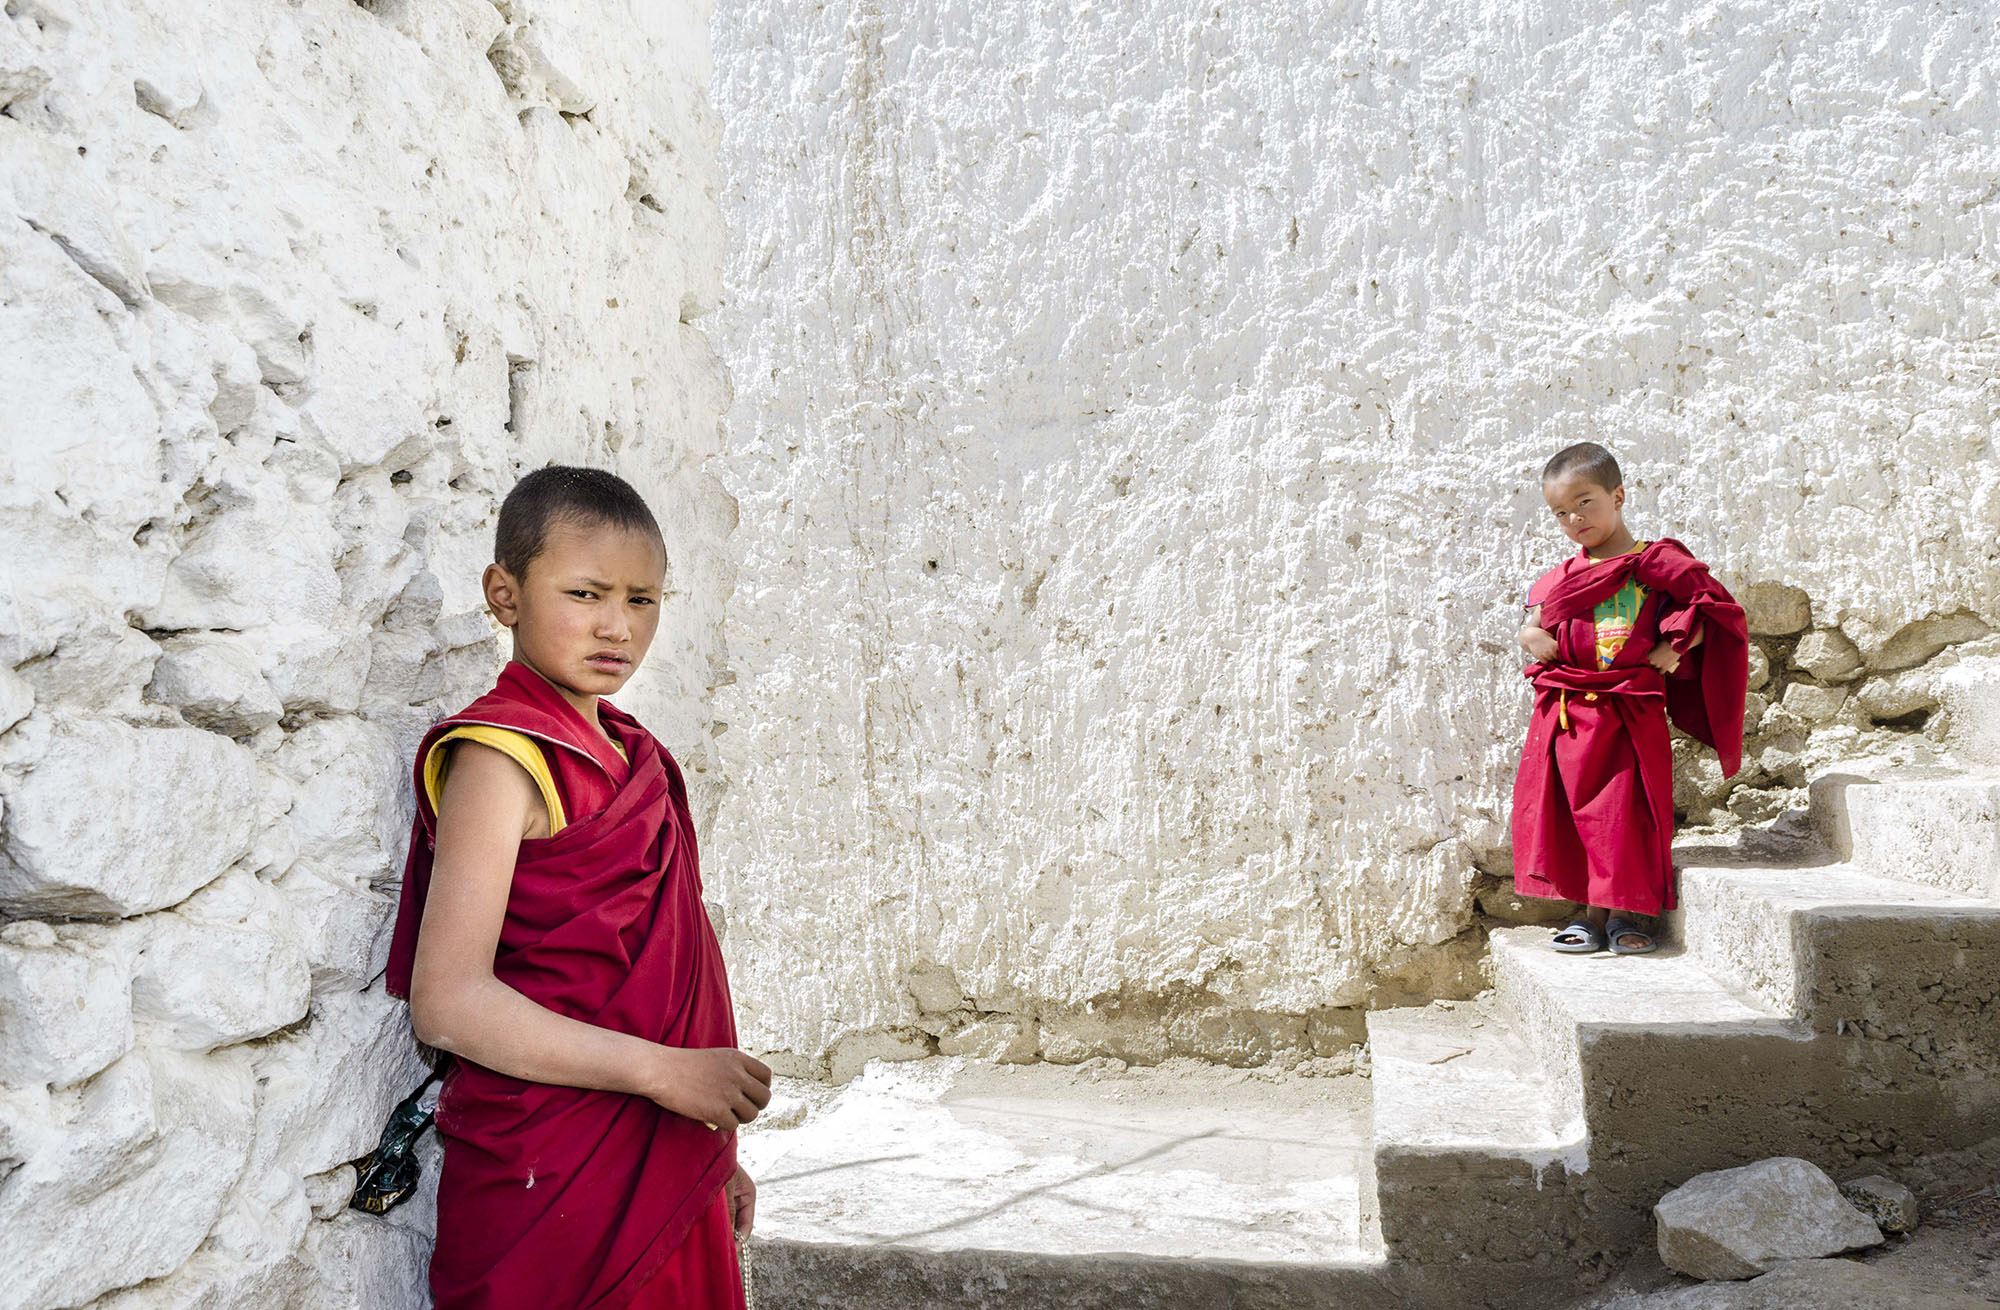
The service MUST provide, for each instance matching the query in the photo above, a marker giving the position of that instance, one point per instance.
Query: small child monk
(552, 939)
(1624, 636)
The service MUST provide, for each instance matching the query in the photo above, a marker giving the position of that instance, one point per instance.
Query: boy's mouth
(608, 662)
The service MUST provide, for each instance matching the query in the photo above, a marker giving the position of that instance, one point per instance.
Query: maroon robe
(1594, 799)
(557, 1196)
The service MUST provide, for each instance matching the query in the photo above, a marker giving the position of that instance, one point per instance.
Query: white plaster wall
(1138, 407)
(290, 294)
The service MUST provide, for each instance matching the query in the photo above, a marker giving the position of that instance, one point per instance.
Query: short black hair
(1588, 458)
(562, 493)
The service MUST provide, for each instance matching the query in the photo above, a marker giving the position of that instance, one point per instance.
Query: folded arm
(489, 806)
(1536, 640)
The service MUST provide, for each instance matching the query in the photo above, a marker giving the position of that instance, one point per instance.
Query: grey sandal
(1582, 937)
(1615, 928)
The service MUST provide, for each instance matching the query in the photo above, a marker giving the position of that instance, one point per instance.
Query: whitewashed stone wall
(1137, 416)
(290, 293)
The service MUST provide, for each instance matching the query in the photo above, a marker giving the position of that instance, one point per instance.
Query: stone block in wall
(1913, 643)
(121, 1178)
(1812, 703)
(212, 1281)
(1775, 609)
(224, 966)
(94, 825)
(377, 563)
(59, 194)
(327, 1089)
(1760, 667)
(851, 1053)
(317, 670)
(1001, 1040)
(1828, 655)
(65, 1003)
(396, 669)
(263, 1219)
(546, 56)
(265, 310)
(265, 562)
(63, 576)
(339, 925)
(367, 393)
(352, 808)
(101, 669)
(17, 698)
(214, 680)
(1898, 695)
(358, 1260)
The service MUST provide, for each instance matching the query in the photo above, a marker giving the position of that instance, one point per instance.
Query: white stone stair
(1804, 1002)
(1832, 998)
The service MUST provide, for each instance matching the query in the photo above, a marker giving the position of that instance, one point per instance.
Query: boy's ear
(1618, 498)
(503, 595)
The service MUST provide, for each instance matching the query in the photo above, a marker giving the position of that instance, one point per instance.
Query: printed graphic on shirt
(1615, 617)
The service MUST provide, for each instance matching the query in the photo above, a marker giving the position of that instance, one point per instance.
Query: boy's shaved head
(1587, 458)
(561, 493)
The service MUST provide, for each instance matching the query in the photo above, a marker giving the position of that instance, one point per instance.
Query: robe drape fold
(1593, 812)
(558, 1196)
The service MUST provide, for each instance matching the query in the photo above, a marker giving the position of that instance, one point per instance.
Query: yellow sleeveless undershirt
(516, 746)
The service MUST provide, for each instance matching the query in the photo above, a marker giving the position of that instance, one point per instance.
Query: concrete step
(967, 1184)
(1801, 934)
(1676, 1071)
(1472, 1150)
(1565, 1004)
(1914, 824)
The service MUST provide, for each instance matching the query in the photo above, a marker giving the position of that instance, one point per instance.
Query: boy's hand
(1540, 646)
(1664, 658)
(717, 1086)
(742, 1194)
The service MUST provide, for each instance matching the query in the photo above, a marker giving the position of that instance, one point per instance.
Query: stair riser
(1662, 1110)
(1924, 983)
(1742, 939)
(801, 1275)
(1944, 833)
(1548, 1031)
(1514, 1218)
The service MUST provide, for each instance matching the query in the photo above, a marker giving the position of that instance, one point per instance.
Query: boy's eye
(642, 600)
(585, 595)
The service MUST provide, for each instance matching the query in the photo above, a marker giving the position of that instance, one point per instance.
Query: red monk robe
(557, 1197)
(1594, 800)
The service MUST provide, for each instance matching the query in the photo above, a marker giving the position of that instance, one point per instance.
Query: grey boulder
(1738, 1223)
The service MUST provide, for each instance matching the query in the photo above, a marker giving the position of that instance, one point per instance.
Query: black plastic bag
(389, 1172)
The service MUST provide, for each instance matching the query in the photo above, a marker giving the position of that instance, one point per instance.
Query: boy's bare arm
(457, 1005)
(1534, 640)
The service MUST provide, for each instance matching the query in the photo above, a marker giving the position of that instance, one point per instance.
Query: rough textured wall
(289, 294)
(1138, 409)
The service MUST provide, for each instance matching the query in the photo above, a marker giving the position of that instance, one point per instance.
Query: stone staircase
(1834, 994)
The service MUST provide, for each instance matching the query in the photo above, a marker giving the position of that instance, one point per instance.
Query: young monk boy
(564, 956)
(1624, 636)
